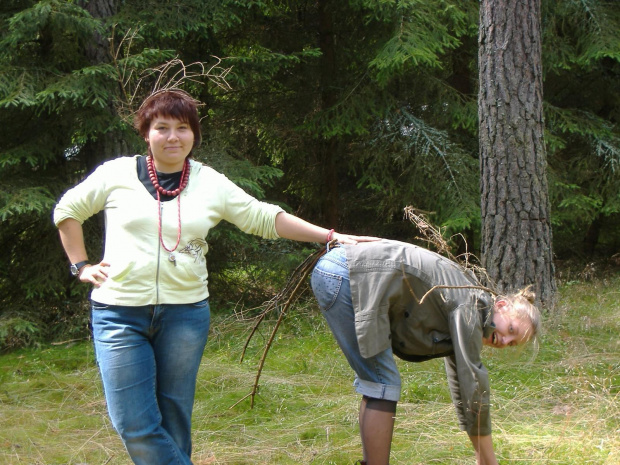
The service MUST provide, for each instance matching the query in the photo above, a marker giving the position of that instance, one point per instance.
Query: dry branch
(287, 295)
(434, 236)
(172, 74)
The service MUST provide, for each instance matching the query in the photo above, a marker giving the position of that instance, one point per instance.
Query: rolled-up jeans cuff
(377, 390)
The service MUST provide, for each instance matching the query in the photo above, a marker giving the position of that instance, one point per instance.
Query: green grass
(558, 406)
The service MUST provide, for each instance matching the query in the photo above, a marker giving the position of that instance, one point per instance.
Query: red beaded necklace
(161, 191)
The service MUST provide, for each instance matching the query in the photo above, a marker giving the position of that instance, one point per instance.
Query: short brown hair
(171, 103)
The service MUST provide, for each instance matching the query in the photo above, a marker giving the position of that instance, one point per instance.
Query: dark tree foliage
(344, 112)
(581, 60)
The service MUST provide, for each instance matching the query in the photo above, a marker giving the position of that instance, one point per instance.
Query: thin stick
(444, 286)
(297, 278)
(273, 303)
(259, 371)
(247, 342)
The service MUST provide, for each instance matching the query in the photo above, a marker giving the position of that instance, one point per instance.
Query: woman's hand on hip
(95, 274)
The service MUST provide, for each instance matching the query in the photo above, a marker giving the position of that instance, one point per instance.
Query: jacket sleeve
(467, 376)
(84, 200)
(246, 212)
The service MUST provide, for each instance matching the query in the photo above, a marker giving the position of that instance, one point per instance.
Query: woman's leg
(128, 369)
(179, 339)
(376, 421)
(378, 379)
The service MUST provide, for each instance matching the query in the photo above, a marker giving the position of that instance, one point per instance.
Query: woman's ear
(501, 305)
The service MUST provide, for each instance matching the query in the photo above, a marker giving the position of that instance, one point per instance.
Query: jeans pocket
(325, 287)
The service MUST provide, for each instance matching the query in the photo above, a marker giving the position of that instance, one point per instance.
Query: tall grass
(561, 407)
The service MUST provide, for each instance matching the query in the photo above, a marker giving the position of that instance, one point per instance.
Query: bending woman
(372, 298)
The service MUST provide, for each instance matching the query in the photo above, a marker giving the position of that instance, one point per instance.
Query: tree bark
(516, 245)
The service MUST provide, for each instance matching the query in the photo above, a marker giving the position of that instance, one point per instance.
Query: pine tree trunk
(516, 230)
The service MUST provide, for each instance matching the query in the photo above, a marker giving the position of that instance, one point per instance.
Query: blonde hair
(523, 308)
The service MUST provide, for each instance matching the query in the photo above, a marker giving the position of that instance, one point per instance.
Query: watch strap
(76, 267)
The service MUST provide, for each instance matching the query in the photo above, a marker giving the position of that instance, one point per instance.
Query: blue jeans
(149, 358)
(378, 376)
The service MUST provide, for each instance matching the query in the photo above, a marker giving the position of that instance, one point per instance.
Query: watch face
(76, 267)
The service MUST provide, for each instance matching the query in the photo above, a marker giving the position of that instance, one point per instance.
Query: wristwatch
(76, 267)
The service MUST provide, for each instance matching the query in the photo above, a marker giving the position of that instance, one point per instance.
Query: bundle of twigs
(173, 74)
(435, 237)
(282, 301)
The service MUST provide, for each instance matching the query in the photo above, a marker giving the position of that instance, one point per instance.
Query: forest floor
(557, 405)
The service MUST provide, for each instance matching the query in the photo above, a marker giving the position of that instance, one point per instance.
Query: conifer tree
(516, 217)
(346, 114)
(581, 54)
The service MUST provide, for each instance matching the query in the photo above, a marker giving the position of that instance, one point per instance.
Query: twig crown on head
(174, 73)
(171, 76)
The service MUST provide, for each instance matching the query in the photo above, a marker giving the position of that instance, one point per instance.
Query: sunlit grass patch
(557, 406)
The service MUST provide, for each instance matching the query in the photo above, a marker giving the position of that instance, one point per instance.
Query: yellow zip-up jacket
(141, 272)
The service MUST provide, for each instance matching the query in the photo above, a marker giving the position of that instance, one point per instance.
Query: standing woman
(150, 308)
(380, 299)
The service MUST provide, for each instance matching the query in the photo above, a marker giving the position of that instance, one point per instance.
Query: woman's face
(171, 141)
(509, 330)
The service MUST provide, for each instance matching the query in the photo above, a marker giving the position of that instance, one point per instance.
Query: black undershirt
(169, 181)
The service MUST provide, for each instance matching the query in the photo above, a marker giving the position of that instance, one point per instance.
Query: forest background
(344, 113)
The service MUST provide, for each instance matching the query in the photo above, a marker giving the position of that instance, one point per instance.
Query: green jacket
(388, 280)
